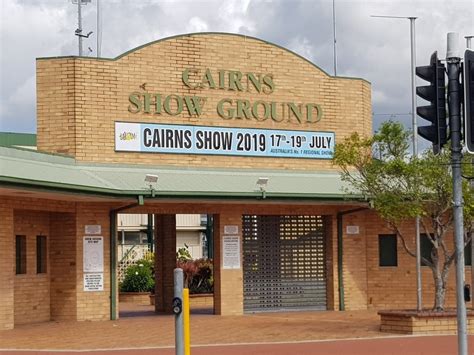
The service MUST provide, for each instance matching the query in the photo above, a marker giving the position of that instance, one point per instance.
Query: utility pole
(468, 46)
(99, 30)
(419, 303)
(79, 25)
(454, 105)
(78, 31)
(334, 34)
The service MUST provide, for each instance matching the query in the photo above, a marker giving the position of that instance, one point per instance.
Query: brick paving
(139, 327)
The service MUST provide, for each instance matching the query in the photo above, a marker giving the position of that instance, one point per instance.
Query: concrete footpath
(140, 331)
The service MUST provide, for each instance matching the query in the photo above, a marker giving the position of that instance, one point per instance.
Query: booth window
(388, 250)
(20, 254)
(41, 253)
(467, 254)
(425, 248)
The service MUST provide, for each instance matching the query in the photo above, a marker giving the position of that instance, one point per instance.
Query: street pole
(454, 105)
(99, 30)
(334, 34)
(79, 26)
(177, 309)
(419, 303)
(468, 46)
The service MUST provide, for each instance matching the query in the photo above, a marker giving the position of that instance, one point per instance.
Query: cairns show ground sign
(181, 139)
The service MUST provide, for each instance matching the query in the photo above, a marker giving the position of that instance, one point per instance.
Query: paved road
(409, 345)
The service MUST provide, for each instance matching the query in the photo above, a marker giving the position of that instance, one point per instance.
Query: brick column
(62, 261)
(92, 305)
(228, 283)
(332, 282)
(7, 266)
(165, 260)
(355, 263)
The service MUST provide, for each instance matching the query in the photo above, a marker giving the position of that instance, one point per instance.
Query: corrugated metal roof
(34, 169)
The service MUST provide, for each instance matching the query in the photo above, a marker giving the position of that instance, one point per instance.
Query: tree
(400, 187)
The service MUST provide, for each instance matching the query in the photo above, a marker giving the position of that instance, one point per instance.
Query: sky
(376, 49)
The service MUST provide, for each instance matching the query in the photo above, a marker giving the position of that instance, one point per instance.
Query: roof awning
(31, 169)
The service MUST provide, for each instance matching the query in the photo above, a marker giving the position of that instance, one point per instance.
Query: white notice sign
(93, 254)
(231, 252)
(95, 229)
(94, 282)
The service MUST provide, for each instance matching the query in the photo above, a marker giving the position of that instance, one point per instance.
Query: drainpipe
(113, 254)
(340, 279)
(149, 231)
(210, 236)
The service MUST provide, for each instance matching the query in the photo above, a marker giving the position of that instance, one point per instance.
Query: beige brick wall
(58, 294)
(79, 99)
(32, 290)
(387, 287)
(7, 267)
(55, 106)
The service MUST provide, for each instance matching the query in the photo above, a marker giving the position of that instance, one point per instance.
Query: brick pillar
(165, 260)
(355, 263)
(62, 261)
(228, 283)
(92, 305)
(332, 282)
(7, 266)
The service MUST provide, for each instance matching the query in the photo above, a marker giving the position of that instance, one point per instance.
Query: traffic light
(469, 100)
(435, 93)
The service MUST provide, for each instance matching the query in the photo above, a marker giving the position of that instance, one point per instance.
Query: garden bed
(140, 298)
(201, 300)
(424, 322)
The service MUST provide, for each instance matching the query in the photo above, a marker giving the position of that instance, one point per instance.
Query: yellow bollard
(187, 333)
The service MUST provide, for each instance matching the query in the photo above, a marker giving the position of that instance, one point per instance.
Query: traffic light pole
(454, 105)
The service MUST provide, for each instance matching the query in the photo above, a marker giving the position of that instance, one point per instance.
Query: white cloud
(375, 49)
(197, 25)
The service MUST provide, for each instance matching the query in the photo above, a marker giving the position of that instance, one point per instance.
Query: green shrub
(139, 278)
(183, 254)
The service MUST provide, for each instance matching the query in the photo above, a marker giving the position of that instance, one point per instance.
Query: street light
(415, 147)
(262, 183)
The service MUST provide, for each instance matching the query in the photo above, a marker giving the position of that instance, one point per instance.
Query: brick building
(231, 126)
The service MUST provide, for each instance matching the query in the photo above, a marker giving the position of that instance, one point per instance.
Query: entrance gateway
(208, 116)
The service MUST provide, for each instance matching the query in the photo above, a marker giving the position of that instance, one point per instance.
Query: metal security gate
(284, 263)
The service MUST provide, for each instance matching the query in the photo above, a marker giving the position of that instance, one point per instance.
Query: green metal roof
(32, 169)
(9, 139)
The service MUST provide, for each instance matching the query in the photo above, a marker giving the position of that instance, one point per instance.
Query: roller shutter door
(284, 263)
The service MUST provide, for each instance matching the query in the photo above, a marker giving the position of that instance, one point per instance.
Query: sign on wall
(158, 138)
(230, 252)
(93, 229)
(94, 282)
(93, 254)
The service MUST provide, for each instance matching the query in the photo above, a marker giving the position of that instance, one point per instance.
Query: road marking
(234, 344)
